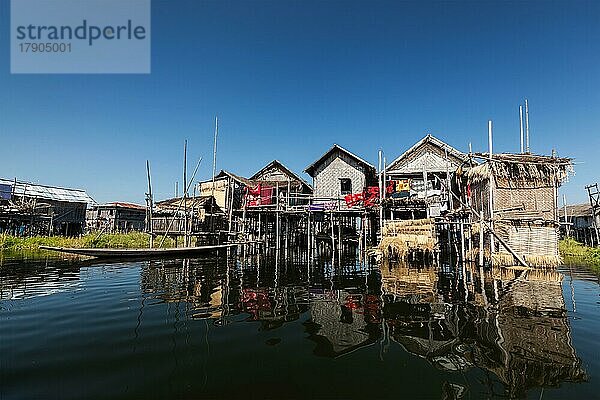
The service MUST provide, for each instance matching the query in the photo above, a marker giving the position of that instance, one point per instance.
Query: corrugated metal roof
(122, 204)
(577, 210)
(35, 190)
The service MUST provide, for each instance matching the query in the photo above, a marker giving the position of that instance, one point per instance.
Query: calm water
(221, 328)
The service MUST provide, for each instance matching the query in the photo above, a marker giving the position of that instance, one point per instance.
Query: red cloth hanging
(371, 195)
(391, 187)
(266, 195)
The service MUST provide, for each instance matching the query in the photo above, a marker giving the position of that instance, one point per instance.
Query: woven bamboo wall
(538, 199)
(327, 177)
(530, 239)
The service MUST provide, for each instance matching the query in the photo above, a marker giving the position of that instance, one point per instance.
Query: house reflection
(509, 322)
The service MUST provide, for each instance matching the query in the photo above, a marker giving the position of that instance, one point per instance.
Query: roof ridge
(337, 146)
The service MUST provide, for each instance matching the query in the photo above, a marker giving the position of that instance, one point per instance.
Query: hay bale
(400, 245)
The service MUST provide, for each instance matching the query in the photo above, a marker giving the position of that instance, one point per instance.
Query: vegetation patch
(575, 252)
(132, 240)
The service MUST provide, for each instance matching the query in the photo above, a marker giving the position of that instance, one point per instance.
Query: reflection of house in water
(274, 306)
(196, 283)
(338, 323)
(532, 320)
(413, 312)
(402, 281)
(514, 325)
(30, 280)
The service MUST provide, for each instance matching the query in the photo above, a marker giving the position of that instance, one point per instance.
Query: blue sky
(290, 78)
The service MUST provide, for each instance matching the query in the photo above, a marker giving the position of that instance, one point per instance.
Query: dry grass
(502, 259)
(402, 237)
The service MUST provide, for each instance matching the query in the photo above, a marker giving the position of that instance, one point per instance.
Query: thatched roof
(521, 169)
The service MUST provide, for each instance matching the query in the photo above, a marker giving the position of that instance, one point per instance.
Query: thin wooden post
(425, 185)
(332, 238)
(527, 126)
(462, 240)
(381, 195)
(185, 213)
(339, 245)
(231, 188)
(481, 233)
(491, 191)
(149, 204)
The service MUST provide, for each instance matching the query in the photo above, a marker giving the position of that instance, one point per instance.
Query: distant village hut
(228, 190)
(517, 195)
(290, 187)
(578, 223)
(339, 173)
(417, 181)
(202, 214)
(28, 209)
(116, 217)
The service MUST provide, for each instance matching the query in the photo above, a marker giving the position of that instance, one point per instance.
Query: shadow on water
(500, 332)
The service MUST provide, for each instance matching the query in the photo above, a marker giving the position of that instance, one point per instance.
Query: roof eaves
(428, 138)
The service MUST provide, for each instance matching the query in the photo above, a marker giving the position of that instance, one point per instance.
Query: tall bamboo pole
(150, 205)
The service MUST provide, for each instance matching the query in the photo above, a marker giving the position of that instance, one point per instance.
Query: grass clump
(575, 252)
(131, 240)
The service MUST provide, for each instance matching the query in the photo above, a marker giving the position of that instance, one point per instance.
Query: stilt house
(228, 190)
(291, 188)
(578, 223)
(416, 181)
(517, 195)
(29, 208)
(338, 174)
(116, 217)
(203, 216)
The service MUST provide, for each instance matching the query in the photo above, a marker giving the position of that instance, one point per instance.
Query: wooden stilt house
(34, 209)
(338, 174)
(417, 181)
(197, 216)
(289, 186)
(516, 195)
(116, 217)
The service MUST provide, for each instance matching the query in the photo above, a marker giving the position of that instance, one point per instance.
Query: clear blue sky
(289, 78)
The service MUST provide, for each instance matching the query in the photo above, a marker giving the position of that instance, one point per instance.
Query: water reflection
(21, 279)
(505, 330)
(511, 323)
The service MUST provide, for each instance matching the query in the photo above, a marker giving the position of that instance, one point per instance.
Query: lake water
(225, 328)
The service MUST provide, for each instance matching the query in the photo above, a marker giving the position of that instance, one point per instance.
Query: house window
(345, 186)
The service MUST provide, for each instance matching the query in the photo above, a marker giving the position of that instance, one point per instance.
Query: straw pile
(504, 259)
(401, 237)
(411, 226)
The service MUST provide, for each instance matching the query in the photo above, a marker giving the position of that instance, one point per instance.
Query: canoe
(126, 253)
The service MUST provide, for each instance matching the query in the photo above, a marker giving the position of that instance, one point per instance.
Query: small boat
(131, 253)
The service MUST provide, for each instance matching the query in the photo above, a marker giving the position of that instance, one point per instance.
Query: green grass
(130, 240)
(575, 252)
